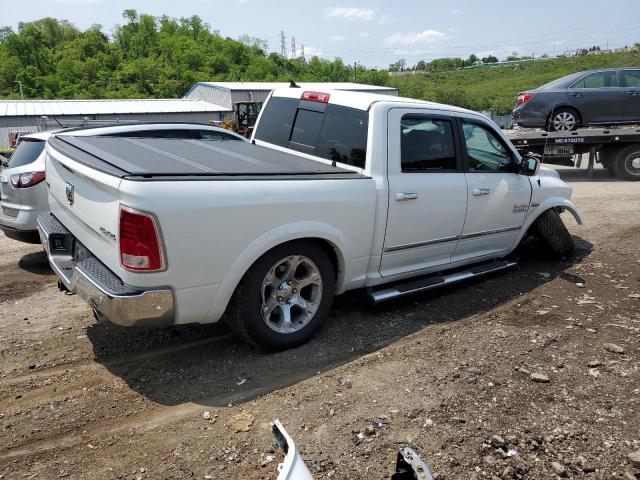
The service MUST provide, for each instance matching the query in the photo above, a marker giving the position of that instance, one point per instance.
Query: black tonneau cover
(164, 157)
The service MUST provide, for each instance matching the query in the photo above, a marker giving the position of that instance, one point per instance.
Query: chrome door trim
(490, 232)
(407, 246)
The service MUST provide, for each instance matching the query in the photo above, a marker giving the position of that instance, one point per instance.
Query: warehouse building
(33, 115)
(226, 94)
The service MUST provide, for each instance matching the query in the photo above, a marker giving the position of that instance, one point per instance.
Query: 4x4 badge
(69, 192)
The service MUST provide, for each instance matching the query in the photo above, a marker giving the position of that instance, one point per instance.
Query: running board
(436, 281)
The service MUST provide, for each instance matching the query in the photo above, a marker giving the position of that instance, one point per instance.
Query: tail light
(316, 97)
(26, 180)
(140, 248)
(523, 98)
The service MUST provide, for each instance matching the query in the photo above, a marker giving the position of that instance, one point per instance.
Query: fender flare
(270, 240)
(551, 202)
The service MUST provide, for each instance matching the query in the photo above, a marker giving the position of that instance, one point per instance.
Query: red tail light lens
(26, 180)
(523, 98)
(140, 248)
(316, 97)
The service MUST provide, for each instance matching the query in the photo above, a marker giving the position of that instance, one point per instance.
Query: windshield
(27, 152)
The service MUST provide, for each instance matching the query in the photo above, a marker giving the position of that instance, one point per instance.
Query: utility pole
(293, 48)
(355, 71)
(283, 45)
(302, 53)
(19, 85)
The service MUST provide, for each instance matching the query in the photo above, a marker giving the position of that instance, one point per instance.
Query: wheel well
(564, 107)
(330, 249)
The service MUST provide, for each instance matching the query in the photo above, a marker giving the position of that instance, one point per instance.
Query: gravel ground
(534, 373)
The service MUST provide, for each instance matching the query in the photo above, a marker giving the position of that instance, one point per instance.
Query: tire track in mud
(77, 388)
(110, 362)
(141, 423)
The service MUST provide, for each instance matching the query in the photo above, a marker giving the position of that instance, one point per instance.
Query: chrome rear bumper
(81, 272)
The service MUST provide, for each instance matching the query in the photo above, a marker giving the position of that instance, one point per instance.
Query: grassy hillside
(495, 88)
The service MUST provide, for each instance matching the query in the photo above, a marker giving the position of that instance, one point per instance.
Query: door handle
(481, 191)
(576, 94)
(632, 93)
(402, 196)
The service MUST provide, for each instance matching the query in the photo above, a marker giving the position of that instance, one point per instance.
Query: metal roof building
(30, 113)
(226, 94)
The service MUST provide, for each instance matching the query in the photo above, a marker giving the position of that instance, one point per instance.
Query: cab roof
(364, 101)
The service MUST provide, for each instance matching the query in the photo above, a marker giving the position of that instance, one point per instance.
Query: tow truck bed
(617, 148)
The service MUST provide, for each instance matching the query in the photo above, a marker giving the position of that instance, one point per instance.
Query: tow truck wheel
(563, 120)
(627, 163)
(285, 297)
(549, 228)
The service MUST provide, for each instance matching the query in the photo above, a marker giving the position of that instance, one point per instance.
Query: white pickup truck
(336, 191)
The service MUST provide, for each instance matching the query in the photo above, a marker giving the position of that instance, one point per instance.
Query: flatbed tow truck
(616, 148)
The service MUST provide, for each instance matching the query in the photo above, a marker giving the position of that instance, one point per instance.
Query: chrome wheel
(291, 294)
(564, 122)
(632, 164)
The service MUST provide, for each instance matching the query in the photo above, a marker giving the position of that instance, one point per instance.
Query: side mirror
(530, 165)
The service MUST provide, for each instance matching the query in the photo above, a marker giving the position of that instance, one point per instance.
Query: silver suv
(23, 194)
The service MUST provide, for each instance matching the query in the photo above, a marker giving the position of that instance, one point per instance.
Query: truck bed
(150, 158)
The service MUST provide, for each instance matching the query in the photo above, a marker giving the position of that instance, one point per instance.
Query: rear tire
(549, 228)
(563, 120)
(285, 297)
(627, 163)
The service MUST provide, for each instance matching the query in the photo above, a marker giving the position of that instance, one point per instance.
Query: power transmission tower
(283, 45)
(293, 47)
(302, 53)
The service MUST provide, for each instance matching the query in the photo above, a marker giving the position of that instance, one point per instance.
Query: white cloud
(312, 52)
(350, 13)
(338, 38)
(412, 38)
(419, 52)
(365, 35)
(456, 12)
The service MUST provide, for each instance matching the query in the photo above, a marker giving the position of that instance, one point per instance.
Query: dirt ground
(451, 374)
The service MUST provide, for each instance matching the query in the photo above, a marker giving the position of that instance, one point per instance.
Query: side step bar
(436, 281)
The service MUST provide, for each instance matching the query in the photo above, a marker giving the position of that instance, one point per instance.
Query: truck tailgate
(86, 202)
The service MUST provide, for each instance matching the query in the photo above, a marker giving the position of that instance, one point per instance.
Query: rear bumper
(22, 226)
(82, 273)
(529, 118)
(26, 236)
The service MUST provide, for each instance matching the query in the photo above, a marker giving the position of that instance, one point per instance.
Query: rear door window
(598, 80)
(328, 131)
(27, 152)
(427, 145)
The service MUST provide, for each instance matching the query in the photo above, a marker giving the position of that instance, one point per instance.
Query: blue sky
(376, 33)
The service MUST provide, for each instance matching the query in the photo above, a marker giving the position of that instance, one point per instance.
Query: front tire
(549, 228)
(627, 163)
(285, 297)
(563, 120)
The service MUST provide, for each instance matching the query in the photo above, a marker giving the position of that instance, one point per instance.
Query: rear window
(27, 152)
(332, 132)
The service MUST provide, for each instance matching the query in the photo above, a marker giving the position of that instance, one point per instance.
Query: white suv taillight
(26, 180)
(140, 248)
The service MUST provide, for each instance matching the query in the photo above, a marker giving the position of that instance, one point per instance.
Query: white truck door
(498, 197)
(427, 192)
